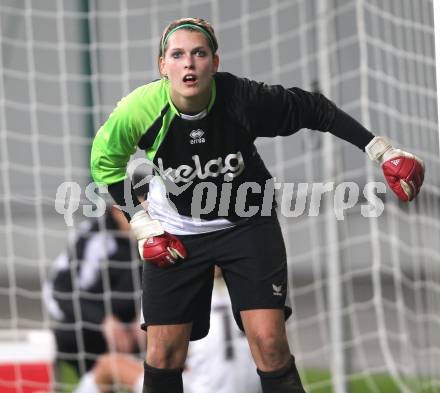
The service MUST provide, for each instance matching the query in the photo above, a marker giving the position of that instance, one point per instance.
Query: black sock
(158, 380)
(284, 380)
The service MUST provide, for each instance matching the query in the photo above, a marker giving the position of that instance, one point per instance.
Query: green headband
(191, 26)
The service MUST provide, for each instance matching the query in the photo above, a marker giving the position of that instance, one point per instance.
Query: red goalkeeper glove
(403, 171)
(155, 245)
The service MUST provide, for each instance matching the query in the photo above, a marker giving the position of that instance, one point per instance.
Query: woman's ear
(215, 63)
(162, 66)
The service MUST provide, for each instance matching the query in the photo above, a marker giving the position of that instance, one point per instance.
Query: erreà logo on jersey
(196, 136)
(230, 167)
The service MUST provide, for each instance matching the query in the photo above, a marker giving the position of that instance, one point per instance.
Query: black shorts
(252, 257)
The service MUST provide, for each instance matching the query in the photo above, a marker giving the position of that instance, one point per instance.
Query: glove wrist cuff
(144, 227)
(377, 148)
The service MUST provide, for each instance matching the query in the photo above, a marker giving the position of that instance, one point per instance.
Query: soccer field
(318, 381)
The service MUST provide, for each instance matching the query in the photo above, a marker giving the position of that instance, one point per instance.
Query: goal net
(365, 290)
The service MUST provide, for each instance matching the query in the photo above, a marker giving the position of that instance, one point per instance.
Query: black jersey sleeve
(88, 310)
(116, 190)
(273, 110)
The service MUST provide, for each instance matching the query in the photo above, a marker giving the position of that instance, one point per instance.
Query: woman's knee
(272, 349)
(165, 355)
(167, 346)
(266, 333)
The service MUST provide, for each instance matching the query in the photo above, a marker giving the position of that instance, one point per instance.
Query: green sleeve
(119, 136)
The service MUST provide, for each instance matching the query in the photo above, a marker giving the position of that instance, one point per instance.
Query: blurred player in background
(198, 127)
(93, 295)
(219, 363)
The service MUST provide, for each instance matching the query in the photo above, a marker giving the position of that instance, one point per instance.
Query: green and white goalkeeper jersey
(208, 171)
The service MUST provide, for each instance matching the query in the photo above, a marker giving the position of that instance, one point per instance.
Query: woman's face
(189, 65)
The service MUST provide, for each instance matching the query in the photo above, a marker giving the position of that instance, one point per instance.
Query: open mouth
(190, 79)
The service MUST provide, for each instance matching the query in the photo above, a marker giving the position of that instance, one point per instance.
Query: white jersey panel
(160, 208)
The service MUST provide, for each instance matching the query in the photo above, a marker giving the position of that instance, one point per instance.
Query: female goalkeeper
(211, 200)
